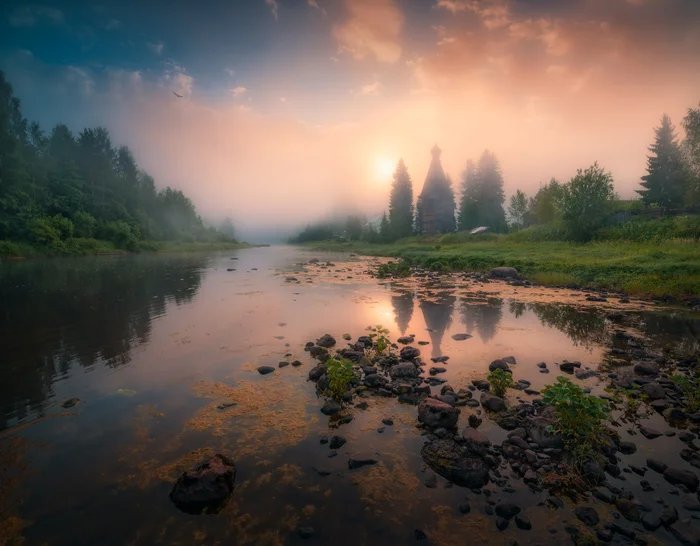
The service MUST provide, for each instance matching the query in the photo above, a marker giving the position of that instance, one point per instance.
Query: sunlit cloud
(314, 4)
(373, 89)
(372, 29)
(237, 91)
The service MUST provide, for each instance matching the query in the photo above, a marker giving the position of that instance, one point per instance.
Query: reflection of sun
(383, 168)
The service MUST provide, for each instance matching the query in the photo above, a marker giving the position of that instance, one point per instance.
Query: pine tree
(468, 212)
(401, 203)
(385, 229)
(518, 208)
(666, 180)
(490, 195)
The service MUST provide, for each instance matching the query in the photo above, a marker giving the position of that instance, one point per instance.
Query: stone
(654, 391)
(678, 476)
(264, 370)
(523, 522)
(538, 429)
(306, 532)
(461, 337)
(650, 433)
(473, 436)
(436, 370)
(499, 365)
(317, 371)
(70, 403)
(207, 486)
(409, 353)
(507, 510)
(337, 442)
(326, 341)
(404, 370)
(504, 273)
(388, 422)
(542, 365)
(360, 461)
(657, 466)
(628, 509)
(668, 516)
(435, 413)
(646, 368)
(690, 503)
(627, 448)
(588, 515)
(567, 367)
(502, 524)
(687, 532)
(455, 463)
(374, 380)
(430, 481)
(331, 407)
(492, 403)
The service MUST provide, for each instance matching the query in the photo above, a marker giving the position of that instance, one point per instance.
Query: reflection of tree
(58, 313)
(584, 327)
(517, 308)
(664, 328)
(482, 318)
(437, 313)
(402, 303)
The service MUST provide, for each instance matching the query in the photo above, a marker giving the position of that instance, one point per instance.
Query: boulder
(435, 413)
(374, 380)
(264, 370)
(454, 462)
(331, 407)
(504, 273)
(326, 341)
(646, 368)
(678, 476)
(588, 515)
(538, 429)
(206, 487)
(492, 403)
(499, 365)
(654, 391)
(403, 370)
(409, 353)
(317, 371)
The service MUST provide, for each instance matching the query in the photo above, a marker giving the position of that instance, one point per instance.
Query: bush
(9, 249)
(580, 417)
(85, 224)
(500, 381)
(51, 231)
(643, 230)
(121, 234)
(586, 202)
(340, 374)
(556, 231)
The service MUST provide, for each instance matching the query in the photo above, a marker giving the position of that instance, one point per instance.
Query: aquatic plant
(394, 269)
(690, 387)
(580, 417)
(500, 382)
(340, 374)
(381, 342)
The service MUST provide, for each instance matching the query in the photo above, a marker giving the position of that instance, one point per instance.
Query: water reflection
(59, 313)
(482, 318)
(402, 302)
(583, 327)
(437, 313)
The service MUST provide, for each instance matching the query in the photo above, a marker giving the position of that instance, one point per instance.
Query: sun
(384, 168)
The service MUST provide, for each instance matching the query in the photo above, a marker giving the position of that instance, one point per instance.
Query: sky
(291, 110)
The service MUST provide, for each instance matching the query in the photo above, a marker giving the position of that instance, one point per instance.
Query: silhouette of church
(436, 203)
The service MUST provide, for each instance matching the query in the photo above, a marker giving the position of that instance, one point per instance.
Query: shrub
(690, 387)
(500, 381)
(340, 374)
(121, 234)
(580, 417)
(586, 201)
(84, 223)
(51, 231)
(381, 342)
(9, 249)
(394, 269)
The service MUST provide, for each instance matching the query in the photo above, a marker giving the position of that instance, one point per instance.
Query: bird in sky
(178, 96)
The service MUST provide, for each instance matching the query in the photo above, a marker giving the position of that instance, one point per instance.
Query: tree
(353, 228)
(468, 205)
(586, 201)
(401, 203)
(517, 209)
(385, 231)
(666, 177)
(227, 228)
(691, 152)
(544, 206)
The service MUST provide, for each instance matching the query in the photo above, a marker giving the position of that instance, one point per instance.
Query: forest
(62, 193)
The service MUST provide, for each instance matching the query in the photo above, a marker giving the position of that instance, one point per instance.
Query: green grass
(650, 268)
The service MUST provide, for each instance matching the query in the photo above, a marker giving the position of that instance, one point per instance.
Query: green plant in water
(394, 269)
(580, 417)
(340, 374)
(500, 382)
(381, 342)
(690, 387)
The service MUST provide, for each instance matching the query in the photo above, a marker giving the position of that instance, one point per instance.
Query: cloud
(274, 7)
(156, 47)
(176, 79)
(113, 24)
(314, 4)
(373, 89)
(494, 13)
(237, 91)
(29, 16)
(229, 71)
(81, 76)
(372, 29)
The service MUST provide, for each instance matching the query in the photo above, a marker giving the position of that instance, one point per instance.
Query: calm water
(152, 345)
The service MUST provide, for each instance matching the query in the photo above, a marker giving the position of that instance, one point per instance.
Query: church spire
(436, 151)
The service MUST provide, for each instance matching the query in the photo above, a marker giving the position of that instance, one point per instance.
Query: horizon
(270, 107)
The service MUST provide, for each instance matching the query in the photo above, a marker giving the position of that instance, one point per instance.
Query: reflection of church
(438, 317)
(402, 302)
(436, 203)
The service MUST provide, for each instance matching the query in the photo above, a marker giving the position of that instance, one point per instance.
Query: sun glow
(384, 168)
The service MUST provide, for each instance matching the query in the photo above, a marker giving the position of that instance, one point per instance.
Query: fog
(548, 89)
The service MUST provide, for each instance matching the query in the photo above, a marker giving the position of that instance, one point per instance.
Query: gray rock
(374, 380)
(538, 429)
(360, 461)
(435, 413)
(678, 476)
(264, 370)
(690, 503)
(499, 365)
(317, 371)
(454, 462)
(337, 442)
(646, 368)
(588, 515)
(492, 403)
(523, 522)
(650, 433)
(628, 509)
(687, 532)
(331, 407)
(507, 510)
(504, 273)
(207, 486)
(654, 391)
(430, 481)
(404, 370)
(326, 341)
(409, 353)
(461, 337)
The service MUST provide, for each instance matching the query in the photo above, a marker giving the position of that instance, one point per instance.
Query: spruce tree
(665, 181)
(489, 196)
(385, 229)
(401, 203)
(468, 211)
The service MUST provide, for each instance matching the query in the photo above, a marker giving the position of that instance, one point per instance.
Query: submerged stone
(454, 462)
(206, 487)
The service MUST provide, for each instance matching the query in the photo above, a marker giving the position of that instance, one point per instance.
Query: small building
(436, 203)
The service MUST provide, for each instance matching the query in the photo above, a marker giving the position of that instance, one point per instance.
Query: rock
(507, 510)
(668, 516)
(627, 448)
(409, 353)
(283, 363)
(593, 471)
(538, 429)
(207, 486)
(678, 476)
(374, 380)
(319, 352)
(388, 422)
(654, 391)
(509, 360)
(686, 532)
(70, 403)
(359, 462)
(454, 462)
(628, 509)
(520, 442)
(674, 414)
(650, 433)
(435, 413)
(646, 368)
(362, 405)
(430, 481)
(464, 507)
(326, 341)
(436, 370)
(502, 524)
(405, 340)
(461, 337)
(419, 534)
(306, 532)
(504, 273)
(331, 407)
(582, 373)
(499, 365)
(604, 535)
(568, 367)
(690, 503)
(264, 370)
(473, 436)
(650, 522)
(588, 515)
(492, 403)
(296, 363)
(481, 384)
(541, 365)
(337, 442)
(523, 522)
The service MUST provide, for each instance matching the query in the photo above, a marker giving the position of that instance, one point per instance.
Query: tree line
(63, 192)
(574, 210)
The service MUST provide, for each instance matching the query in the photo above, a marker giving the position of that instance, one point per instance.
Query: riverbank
(644, 269)
(95, 247)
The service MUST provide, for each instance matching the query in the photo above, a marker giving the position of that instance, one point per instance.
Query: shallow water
(151, 345)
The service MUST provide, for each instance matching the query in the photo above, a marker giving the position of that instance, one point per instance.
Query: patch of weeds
(580, 418)
(500, 382)
(381, 342)
(690, 387)
(394, 269)
(340, 374)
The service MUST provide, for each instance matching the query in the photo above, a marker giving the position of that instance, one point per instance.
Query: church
(436, 204)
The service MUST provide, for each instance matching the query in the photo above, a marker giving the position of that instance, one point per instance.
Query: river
(115, 373)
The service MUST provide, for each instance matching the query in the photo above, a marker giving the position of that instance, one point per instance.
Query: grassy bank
(95, 247)
(651, 268)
